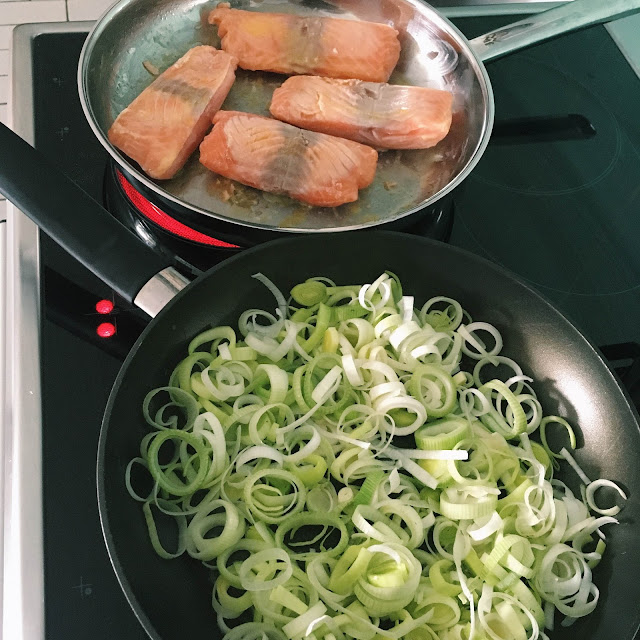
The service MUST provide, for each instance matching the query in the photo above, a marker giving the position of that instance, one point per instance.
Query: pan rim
(282, 243)
(421, 6)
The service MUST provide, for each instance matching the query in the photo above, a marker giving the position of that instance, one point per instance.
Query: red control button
(104, 307)
(106, 330)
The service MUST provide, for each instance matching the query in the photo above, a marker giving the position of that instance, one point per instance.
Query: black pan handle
(74, 219)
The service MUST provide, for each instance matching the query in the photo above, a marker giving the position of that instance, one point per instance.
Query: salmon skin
(273, 156)
(163, 126)
(384, 116)
(290, 44)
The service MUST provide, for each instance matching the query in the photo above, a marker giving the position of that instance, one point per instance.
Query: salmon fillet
(292, 44)
(273, 156)
(163, 126)
(382, 115)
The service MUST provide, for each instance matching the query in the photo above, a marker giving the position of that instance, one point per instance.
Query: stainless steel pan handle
(569, 17)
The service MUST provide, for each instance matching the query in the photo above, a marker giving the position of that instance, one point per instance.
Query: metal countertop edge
(22, 603)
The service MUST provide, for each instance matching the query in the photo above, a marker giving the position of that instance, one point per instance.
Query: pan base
(190, 240)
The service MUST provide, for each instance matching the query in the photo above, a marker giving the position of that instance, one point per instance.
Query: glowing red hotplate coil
(164, 220)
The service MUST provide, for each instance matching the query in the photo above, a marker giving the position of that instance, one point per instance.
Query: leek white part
(229, 382)
(259, 453)
(479, 348)
(298, 627)
(309, 448)
(438, 454)
(495, 361)
(278, 380)
(351, 370)
(564, 578)
(399, 335)
(404, 402)
(224, 351)
(273, 561)
(204, 520)
(209, 427)
(452, 323)
(576, 467)
(460, 550)
(367, 292)
(406, 305)
(248, 323)
(473, 403)
(270, 347)
(384, 327)
(414, 469)
(327, 386)
(280, 300)
(364, 333)
(361, 519)
(486, 526)
(394, 481)
(592, 487)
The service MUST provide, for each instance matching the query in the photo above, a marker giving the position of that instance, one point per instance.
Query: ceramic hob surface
(555, 199)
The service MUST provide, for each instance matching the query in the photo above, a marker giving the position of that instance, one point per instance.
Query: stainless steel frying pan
(133, 33)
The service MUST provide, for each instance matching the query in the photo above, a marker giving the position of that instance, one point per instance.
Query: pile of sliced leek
(351, 466)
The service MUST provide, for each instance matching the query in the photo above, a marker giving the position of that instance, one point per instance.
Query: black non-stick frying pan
(172, 598)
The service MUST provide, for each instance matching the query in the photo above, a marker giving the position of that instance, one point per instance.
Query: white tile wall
(19, 11)
(14, 12)
(5, 34)
(87, 9)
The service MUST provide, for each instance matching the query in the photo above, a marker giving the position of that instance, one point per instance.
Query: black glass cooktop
(555, 198)
(563, 213)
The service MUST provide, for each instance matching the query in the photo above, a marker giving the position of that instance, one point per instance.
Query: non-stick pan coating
(172, 598)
